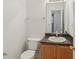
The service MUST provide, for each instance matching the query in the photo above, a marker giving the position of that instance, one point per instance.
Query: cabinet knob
(71, 47)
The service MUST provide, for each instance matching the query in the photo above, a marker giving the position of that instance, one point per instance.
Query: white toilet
(31, 44)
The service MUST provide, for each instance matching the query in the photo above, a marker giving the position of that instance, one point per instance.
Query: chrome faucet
(56, 33)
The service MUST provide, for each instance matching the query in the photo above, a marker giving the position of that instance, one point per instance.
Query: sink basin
(57, 39)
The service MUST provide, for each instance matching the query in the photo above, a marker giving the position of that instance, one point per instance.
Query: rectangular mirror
(57, 21)
(55, 18)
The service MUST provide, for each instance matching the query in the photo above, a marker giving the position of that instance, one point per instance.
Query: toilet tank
(32, 43)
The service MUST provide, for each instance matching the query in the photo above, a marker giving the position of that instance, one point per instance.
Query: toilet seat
(28, 54)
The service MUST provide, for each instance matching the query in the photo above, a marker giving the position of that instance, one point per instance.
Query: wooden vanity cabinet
(64, 52)
(49, 51)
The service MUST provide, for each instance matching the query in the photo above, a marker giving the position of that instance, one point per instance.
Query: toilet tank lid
(34, 39)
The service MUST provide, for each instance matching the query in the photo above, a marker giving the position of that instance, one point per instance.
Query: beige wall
(35, 18)
(14, 28)
(70, 17)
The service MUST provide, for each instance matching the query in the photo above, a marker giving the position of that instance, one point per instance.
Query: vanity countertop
(69, 41)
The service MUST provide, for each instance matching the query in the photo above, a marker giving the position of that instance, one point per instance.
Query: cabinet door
(47, 51)
(64, 52)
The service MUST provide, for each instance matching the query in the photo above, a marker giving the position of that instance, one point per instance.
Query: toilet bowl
(28, 54)
(32, 44)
